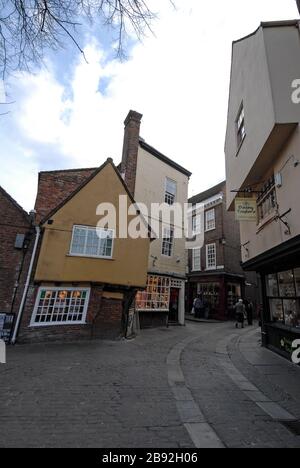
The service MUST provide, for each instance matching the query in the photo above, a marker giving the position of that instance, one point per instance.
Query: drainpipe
(19, 316)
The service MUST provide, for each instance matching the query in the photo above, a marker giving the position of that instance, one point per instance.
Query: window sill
(55, 324)
(211, 229)
(282, 326)
(94, 257)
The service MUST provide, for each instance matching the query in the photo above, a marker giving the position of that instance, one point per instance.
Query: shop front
(279, 271)
(219, 293)
(162, 302)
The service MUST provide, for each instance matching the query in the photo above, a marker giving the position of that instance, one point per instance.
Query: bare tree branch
(29, 27)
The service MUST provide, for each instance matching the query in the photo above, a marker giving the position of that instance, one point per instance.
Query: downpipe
(20, 312)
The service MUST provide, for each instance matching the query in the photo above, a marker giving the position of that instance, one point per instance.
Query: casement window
(196, 259)
(92, 242)
(168, 241)
(267, 200)
(157, 295)
(240, 126)
(211, 257)
(196, 224)
(170, 191)
(58, 306)
(210, 220)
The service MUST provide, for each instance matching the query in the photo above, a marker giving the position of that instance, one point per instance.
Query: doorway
(174, 305)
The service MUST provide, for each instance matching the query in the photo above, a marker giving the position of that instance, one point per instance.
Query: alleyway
(200, 385)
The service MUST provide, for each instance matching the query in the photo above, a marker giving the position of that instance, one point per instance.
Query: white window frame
(240, 126)
(196, 229)
(193, 259)
(171, 241)
(171, 196)
(156, 297)
(210, 224)
(91, 228)
(33, 323)
(214, 266)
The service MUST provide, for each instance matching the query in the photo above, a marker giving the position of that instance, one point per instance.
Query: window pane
(60, 306)
(79, 237)
(291, 312)
(286, 284)
(297, 279)
(276, 310)
(272, 285)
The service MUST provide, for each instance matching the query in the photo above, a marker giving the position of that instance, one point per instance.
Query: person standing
(240, 312)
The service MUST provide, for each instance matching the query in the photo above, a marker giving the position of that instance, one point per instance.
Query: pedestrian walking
(240, 312)
(198, 306)
(249, 311)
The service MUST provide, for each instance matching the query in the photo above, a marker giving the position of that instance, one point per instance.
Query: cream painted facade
(150, 187)
(264, 66)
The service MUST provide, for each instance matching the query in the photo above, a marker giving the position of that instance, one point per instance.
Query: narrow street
(203, 385)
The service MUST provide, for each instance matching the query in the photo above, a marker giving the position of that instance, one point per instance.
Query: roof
(163, 158)
(85, 182)
(207, 194)
(270, 24)
(13, 202)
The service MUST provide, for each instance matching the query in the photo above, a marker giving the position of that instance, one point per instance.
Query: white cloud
(178, 80)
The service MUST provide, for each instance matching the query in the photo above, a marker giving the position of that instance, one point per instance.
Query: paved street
(200, 385)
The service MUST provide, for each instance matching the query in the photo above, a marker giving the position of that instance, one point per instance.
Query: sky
(70, 113)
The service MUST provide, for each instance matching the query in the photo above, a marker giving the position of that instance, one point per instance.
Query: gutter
(19, 316)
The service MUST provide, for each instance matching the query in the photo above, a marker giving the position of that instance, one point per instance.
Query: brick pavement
(116, 394)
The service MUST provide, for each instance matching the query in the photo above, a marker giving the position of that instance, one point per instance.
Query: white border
(214, 267)
(59, 288)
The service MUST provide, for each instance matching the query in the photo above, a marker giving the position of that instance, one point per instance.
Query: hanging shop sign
(245, 209)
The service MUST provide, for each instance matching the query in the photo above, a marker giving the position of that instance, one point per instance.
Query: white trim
(193, 265)
(169, 193)
(210, 220)
(59, 288)
(107, 257)
(215, 265)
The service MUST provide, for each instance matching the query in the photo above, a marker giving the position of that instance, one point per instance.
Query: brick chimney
(130, 148)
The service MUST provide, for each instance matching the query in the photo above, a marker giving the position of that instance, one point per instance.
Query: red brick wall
(54, 187)
(130, 149)
(108, 324)
(13, 221)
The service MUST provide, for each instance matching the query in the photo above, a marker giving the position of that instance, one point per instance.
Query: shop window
(283, 292)
(272, 285)
(233, 294)
(57, 306)
(276, 310)
(211, 295)
(286, 284)
(297, 281)
(156, 297)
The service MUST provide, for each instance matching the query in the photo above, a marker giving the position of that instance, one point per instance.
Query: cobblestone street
(199, 385)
